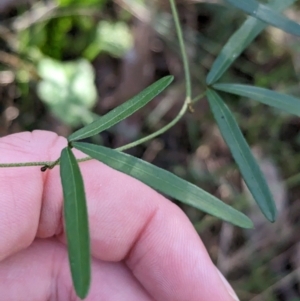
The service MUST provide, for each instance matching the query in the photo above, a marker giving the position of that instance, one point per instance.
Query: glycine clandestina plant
(75, 211)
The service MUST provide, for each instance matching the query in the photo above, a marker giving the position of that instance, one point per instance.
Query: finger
(21, 189)
(41, 272)
(129, 221)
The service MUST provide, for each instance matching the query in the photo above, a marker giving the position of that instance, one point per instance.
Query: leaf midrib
(77, 217)
(244, 158)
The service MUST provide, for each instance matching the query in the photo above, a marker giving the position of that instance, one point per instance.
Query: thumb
(228, 287)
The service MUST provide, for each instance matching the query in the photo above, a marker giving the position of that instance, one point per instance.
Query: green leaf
(122, 111)
(165, 182)
(76, 222)
(277, 100)
(242, 155)
(266, 14)
(239, 41)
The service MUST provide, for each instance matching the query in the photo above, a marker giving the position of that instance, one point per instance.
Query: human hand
(143, 246)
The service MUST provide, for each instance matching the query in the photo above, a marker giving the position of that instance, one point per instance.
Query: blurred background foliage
(65, 62)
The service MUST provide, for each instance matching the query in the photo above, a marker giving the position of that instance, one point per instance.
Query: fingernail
(228, 287)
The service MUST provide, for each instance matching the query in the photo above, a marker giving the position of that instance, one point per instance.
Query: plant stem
(188, 99)
(198, 97)
(28, 164)
(165, 128)
(157, 133)
(183, 52)
(48, 164)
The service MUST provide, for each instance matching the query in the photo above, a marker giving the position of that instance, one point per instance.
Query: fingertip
(22, 188)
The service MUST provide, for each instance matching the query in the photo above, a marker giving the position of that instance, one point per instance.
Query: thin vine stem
(47, 164)
(157, 133)
(184, 55)
(188, 99)
(26, 164)
(163, 129)
(198, 97)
